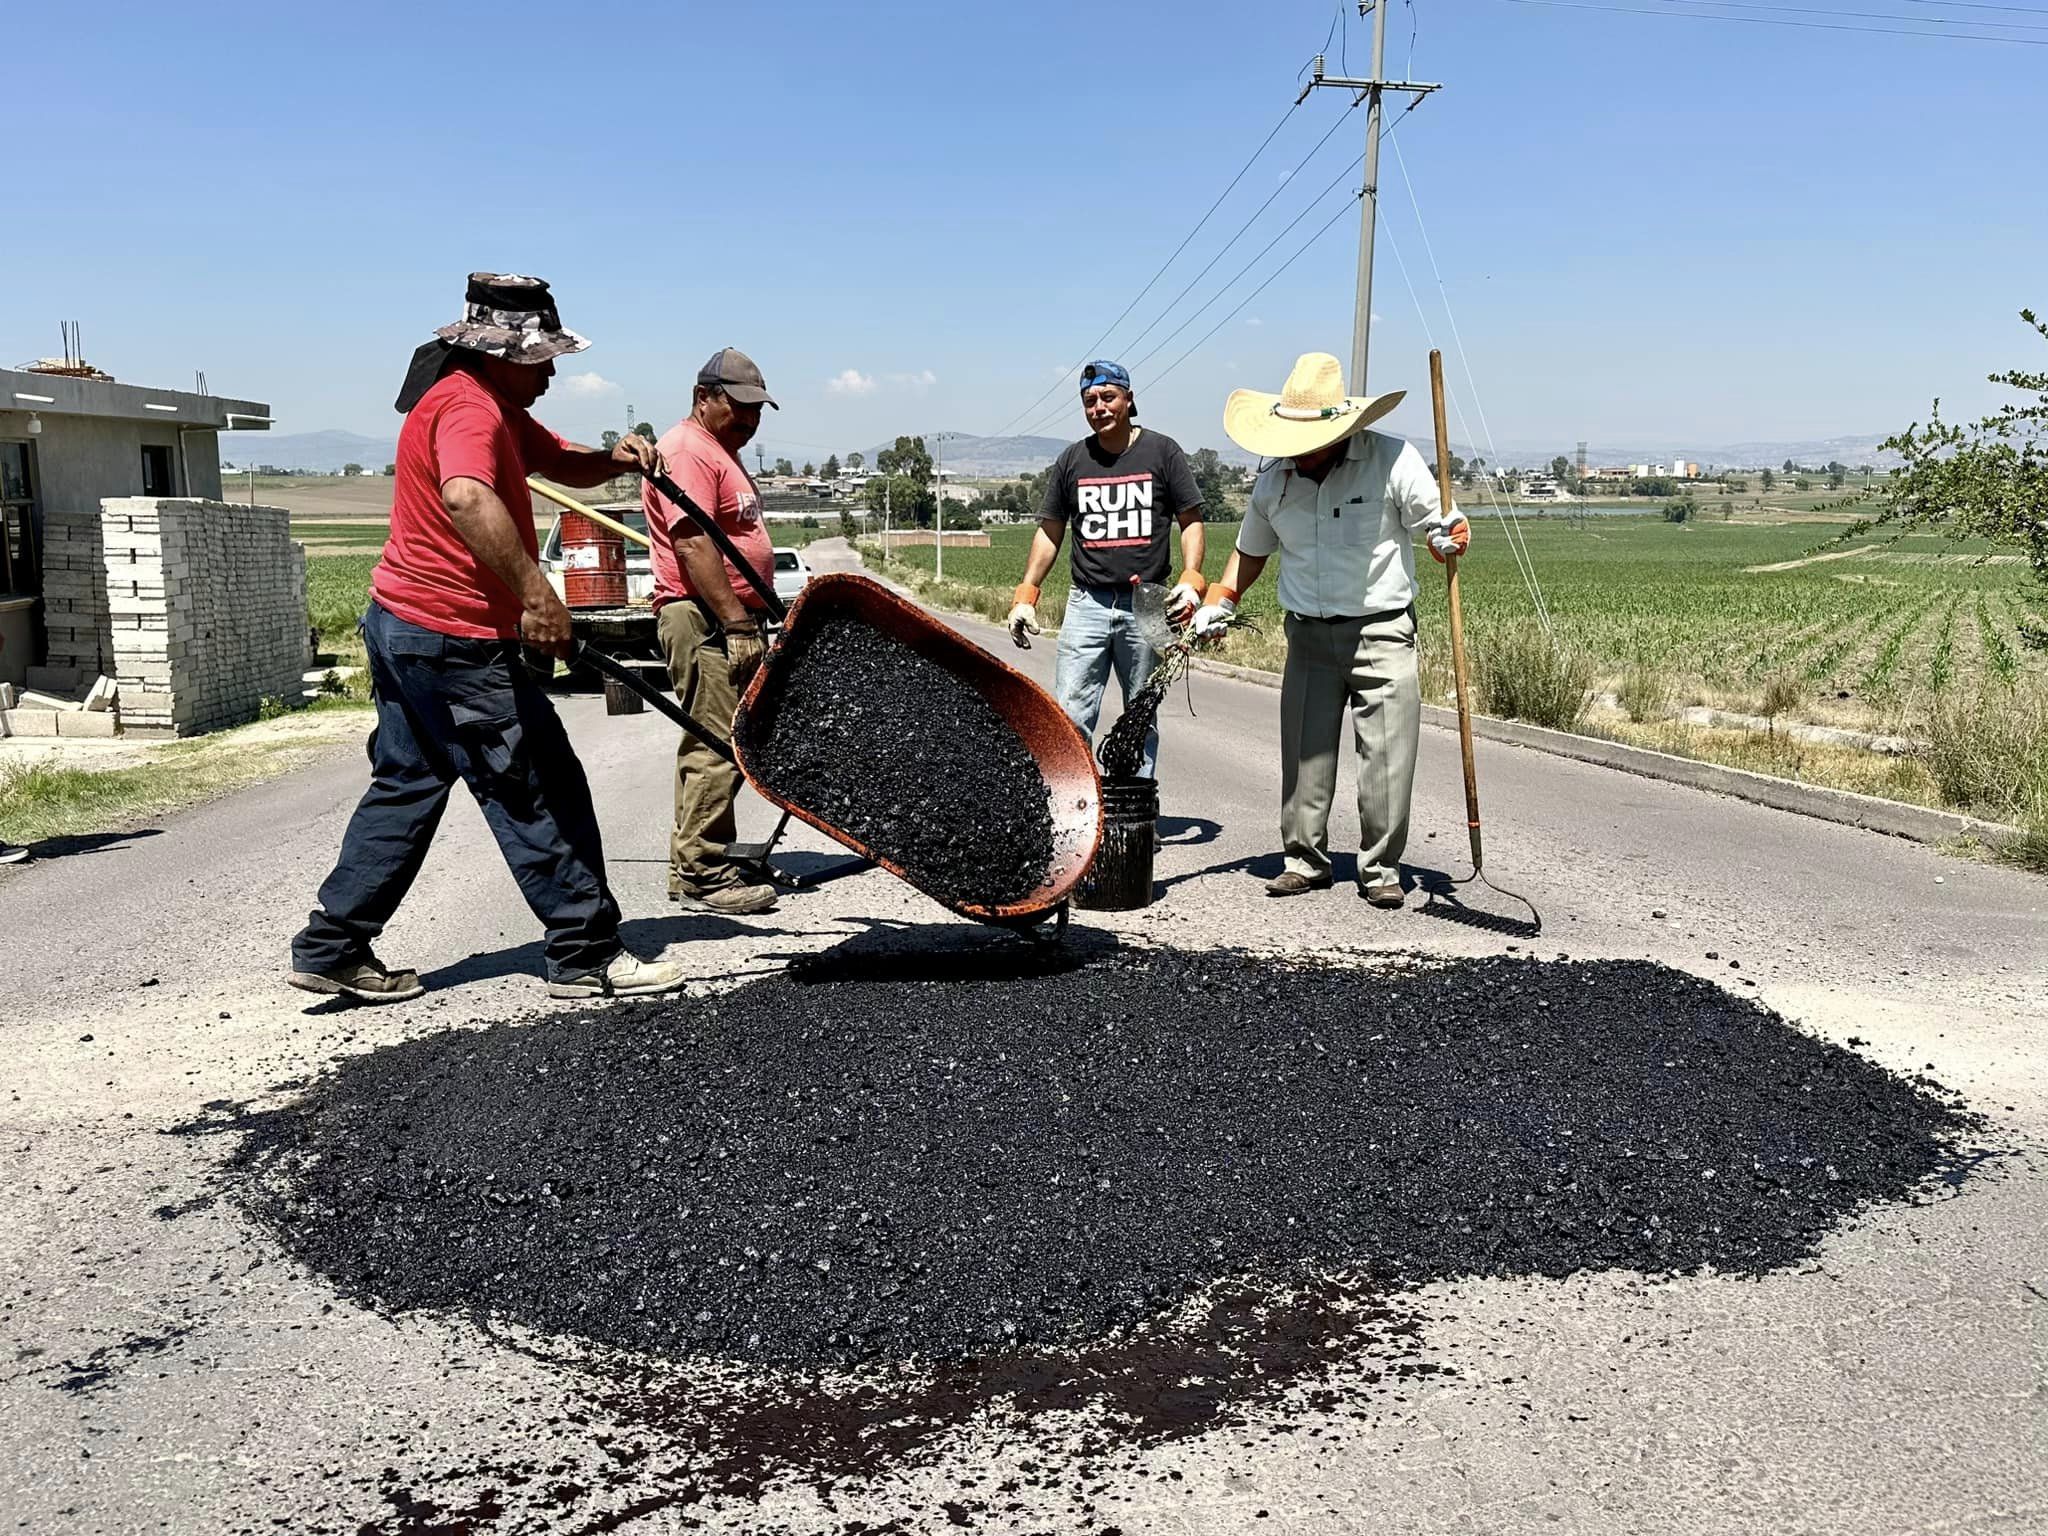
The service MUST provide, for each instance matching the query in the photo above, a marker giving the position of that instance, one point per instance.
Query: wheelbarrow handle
(723, 542)
(628, 677)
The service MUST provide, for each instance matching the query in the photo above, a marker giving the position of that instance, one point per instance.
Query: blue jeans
(1100, 632)
(448, 709)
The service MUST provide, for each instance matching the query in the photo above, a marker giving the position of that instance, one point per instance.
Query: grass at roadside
(41, 800)
(1738, 615)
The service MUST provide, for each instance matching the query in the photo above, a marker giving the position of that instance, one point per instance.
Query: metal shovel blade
(1148, 606)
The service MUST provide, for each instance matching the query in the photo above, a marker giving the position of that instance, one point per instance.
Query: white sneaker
(12, 853)
(626, 976)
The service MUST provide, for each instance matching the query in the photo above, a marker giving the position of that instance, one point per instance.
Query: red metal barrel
(593, 564)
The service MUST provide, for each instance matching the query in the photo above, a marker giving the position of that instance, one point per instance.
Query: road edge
(1895, 818)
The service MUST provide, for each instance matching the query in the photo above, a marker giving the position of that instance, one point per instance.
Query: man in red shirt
(709, 620)
(458, 588)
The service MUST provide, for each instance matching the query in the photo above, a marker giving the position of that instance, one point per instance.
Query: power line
(1313, 204)
(1248, 223)
(1981, 5)
(1810, 10)
(1344, 209)
(1764, 21)
(1199, 225)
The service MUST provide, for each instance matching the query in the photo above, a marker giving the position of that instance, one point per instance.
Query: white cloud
(923, 379)
(1377, 317)
(1253, 320)
(850, 381)
(588, 386)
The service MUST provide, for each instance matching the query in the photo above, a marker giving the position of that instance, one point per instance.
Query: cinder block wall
(206, 610)
(75, 592)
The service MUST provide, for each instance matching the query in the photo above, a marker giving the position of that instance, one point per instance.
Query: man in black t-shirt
(1121, 491)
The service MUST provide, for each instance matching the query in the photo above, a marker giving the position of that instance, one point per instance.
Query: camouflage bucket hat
(513, 317)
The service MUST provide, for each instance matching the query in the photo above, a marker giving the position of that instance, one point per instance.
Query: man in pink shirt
(709, 620)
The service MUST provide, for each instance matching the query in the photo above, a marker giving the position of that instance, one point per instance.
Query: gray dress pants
(1369, 670)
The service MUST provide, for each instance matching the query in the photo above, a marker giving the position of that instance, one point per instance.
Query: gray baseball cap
(735, 373)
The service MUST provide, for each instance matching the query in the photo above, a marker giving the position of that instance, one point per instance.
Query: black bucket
(621, 700)
(1120, 880)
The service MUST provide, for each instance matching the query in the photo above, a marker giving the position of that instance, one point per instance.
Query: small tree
(609, 438)
(351, 469)
(644, 429)
(1767, 478)
(1985, 481)
(784, 467)
(831, 469)
(390, 469)
(810, 469)
(855, 460)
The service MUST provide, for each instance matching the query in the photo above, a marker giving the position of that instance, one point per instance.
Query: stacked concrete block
(75, 593)
(206, 608)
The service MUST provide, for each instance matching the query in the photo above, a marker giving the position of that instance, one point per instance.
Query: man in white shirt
(1340, 507)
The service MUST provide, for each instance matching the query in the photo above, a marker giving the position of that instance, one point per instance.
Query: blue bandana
(1101, 372)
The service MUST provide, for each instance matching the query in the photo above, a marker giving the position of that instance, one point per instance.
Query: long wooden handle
(564, 499)
(1443, 491)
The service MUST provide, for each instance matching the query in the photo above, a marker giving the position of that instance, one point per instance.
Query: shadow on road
(1188, 831)
(644, 936)
(86, 842)
(893, 951)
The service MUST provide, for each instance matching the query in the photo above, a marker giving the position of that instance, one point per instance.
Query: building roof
(54, 394)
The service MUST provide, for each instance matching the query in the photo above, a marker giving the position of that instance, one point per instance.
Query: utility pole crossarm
(1371, 89)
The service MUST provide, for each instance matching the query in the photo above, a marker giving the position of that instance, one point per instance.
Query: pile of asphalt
(881, 741)
(887, 1160)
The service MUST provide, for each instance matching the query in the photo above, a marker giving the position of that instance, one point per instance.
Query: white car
(791, 572)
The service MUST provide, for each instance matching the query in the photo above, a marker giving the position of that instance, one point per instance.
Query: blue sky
(916, 215)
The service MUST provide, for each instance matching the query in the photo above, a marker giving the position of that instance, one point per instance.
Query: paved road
(166, 1370)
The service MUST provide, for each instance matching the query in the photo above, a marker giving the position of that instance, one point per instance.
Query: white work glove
(1182, 601)
(1214, 618)
(1024, 621)
(1453, 538)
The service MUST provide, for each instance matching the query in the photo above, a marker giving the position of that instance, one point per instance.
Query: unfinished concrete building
(119, 560)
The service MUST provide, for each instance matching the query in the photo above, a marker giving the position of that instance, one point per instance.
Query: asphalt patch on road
(876, 738)
(816, 1226)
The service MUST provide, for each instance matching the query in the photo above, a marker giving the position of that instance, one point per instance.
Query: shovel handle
(1443, 491)
(565, 500)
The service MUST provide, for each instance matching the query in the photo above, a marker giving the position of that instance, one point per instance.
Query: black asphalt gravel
(867, 733)
(896, 1158)
(1122, 752)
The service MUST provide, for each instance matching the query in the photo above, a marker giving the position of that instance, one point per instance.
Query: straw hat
(1310, 412)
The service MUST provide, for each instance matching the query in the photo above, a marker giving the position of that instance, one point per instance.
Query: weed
(1645, 691)
(1782, 694)
(1524, 673)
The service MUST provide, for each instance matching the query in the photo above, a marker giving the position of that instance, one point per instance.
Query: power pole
(1368, 216)
(938, 508)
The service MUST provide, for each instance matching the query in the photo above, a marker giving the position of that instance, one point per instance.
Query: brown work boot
(1388, 896)
(623, 976)
(1291, 884)
(366, 980)
(738, 899)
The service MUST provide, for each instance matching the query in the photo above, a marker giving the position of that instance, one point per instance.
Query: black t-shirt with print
(1120, 507)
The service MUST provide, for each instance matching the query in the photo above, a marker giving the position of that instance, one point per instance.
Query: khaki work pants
(1368, 669)
(706, 784)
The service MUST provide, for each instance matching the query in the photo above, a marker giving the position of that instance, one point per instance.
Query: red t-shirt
(720, 485)
(428, 576)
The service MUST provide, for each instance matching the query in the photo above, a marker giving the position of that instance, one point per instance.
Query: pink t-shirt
(720, 485)
(428, 576)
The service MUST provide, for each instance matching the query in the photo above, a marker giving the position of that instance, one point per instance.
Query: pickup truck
(628, 632)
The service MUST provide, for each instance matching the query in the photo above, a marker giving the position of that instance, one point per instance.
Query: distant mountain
(965, 454)
(320, 453)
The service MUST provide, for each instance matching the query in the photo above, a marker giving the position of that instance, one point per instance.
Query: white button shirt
(1346, 546)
